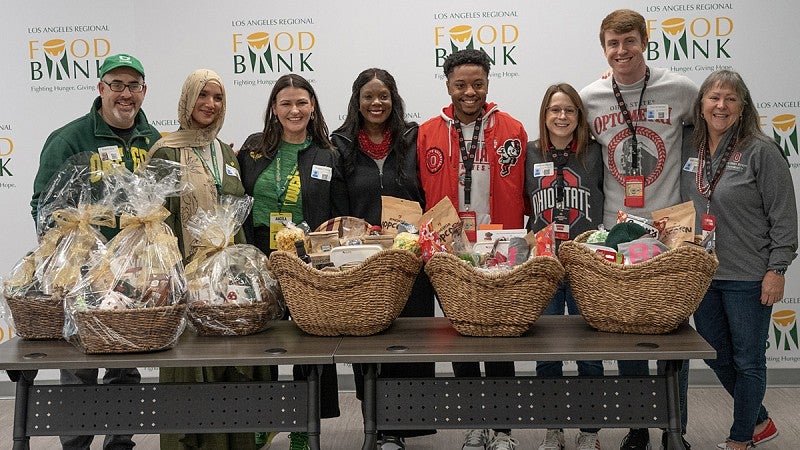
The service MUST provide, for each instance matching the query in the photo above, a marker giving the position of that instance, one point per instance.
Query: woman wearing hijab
(211, 168)
(210, 165)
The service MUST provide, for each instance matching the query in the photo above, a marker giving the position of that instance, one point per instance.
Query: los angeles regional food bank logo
(784, 130)
(681, 38)
(784, 328)
(279, 50)
(6, 149)
(493, 32)
(63, 57)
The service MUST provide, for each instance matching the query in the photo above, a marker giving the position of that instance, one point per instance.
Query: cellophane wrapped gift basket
(231, 288)
(133, 299)
(71, 208)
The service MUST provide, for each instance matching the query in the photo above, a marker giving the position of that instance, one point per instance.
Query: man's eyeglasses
(557, 110)
(118, 86)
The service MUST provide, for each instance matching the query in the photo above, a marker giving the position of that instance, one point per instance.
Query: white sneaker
(476, 440)
(587, 441)
(554, 440)
(392, 443)
(502, 441)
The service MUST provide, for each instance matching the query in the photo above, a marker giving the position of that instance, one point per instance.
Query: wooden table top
(551, 338)
(281, 343)
(425, 339)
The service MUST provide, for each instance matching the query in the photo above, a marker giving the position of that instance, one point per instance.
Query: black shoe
(664, 442)
(636, 439)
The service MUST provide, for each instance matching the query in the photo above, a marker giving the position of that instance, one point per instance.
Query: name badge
(691, 165)
(657, 112)
(543, 169)
(323, 173)
(634, 191)
(277, 222)
(230, 170)
(469, 220)
(708, 223)
(109, 153)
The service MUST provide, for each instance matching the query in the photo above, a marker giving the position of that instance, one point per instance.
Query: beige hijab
(204, 192)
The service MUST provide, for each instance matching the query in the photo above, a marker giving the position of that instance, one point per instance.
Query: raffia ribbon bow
(76, 222)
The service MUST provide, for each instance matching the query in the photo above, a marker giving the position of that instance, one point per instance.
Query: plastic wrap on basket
(69, 216)
(133, 298)
(501, 303)
(653, 297)
(358, 301)
(231, 289)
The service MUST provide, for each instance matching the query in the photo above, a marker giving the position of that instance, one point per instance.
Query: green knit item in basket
(624, 232)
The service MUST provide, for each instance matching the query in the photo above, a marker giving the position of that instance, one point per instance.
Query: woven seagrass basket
(37, 316)
(230, 319)
(129, 330)
(504, 303)
(653, 297)
(358, 301)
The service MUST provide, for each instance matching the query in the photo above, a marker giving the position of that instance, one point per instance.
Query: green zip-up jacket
(87, 134)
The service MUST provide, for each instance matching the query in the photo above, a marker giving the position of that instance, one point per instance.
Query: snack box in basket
(352, 254)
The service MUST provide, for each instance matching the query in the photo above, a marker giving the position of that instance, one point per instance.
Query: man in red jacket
(474, 154)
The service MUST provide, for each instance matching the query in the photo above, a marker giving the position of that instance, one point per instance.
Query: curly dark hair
(273, 130)
(470, 56)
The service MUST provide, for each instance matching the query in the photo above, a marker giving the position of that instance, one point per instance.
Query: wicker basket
(129, 330)
(359, 301)
(482, 303)
(230, 319)
(653, 297)
(37, 316)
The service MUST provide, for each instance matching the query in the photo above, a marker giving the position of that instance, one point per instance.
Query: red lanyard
(704, 167)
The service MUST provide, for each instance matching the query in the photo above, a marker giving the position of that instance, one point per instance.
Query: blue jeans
(563, 299)
(733, 320)
(89, 377)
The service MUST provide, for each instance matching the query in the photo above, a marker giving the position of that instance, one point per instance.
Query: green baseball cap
(121, 60)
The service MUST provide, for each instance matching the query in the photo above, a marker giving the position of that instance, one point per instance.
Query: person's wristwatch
(778, 270)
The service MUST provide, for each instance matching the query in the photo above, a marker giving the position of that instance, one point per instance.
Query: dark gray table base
(150, 408)
(523, 402)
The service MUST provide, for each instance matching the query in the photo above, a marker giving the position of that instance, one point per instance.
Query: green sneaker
(298, 441)
(264, 439)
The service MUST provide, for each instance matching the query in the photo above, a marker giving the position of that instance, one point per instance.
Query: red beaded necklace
(375, 151)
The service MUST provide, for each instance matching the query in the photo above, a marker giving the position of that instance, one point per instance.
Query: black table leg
(313, 426)
(24, 380)
(368, 408)
(674, 441)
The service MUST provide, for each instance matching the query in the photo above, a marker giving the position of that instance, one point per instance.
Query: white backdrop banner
(51, 52)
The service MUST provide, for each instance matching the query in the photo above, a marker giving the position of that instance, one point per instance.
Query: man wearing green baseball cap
(114, 132)
(121, 60)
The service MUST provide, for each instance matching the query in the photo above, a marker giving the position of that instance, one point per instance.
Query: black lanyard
(628, 121)
(560, 160)
(468, 157)
(704, 166)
